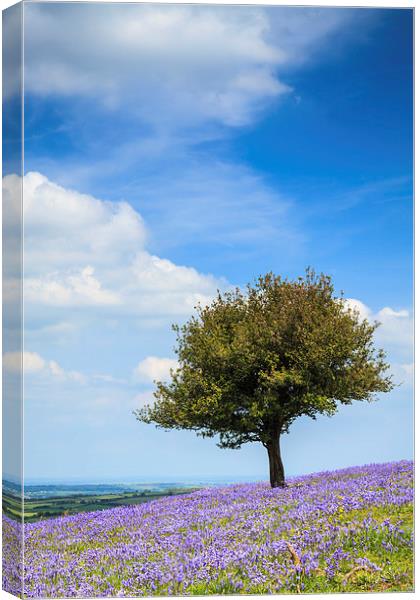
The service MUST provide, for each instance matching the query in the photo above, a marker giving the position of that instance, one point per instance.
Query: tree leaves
(251, 363)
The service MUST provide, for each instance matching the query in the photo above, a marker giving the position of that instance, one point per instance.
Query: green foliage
(251, 363)
(35, 509)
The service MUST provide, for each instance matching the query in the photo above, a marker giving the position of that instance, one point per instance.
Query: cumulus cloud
(396, 330)
(33, 363)
(154, 368)
(64, 227)
(358, 306)
(395, 333)
(171, 65)
(78, 288)
(84, 252)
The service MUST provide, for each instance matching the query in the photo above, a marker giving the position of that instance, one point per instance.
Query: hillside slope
(348, 530)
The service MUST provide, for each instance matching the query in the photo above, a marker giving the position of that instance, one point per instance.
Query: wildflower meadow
(347, 530)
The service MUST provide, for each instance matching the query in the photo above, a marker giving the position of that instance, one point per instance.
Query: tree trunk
(276, 465)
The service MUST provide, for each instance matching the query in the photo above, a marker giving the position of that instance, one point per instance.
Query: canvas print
(207, 299)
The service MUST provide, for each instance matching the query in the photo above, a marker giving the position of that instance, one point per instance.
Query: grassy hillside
(349, 530)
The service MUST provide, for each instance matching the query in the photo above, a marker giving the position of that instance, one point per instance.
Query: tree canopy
(253, 361)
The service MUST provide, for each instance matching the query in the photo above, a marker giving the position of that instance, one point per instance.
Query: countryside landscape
(249, 365)
(342, 531)
(42, 501)
(208, 357)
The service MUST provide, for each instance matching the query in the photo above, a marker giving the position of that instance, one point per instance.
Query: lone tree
(251, 363)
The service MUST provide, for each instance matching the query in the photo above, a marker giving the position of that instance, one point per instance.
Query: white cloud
(363, 310)
(387, 313)
(79, 288)
(395, 332)
(171, 65)
(64, 227)
(55, 369)
(202, 64)
(154, 368)
(84, 252)
(161, 287)
(33, 364)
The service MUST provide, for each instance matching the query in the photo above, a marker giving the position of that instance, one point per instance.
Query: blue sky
(174, 150)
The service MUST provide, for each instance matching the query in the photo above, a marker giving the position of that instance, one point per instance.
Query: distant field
(342, 531)
(41, 508)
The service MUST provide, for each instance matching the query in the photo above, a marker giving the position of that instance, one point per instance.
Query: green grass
(41, 508)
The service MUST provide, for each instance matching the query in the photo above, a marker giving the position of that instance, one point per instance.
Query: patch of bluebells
(237, 539)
